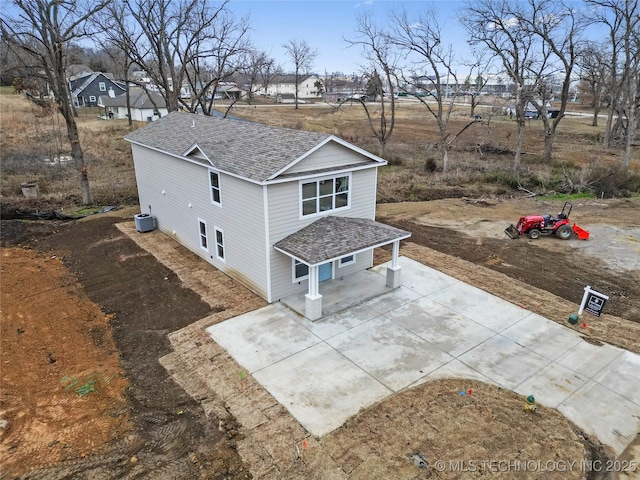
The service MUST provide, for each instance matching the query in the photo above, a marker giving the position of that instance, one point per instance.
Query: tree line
(200, 43)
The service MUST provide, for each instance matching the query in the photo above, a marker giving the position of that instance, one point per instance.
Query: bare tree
(474, 84)
(558, 29)
(223, 50)
(494, 24)
(256, 62)
(267, 72)
(302, 56)
(165, 38)
(431, 68)
(622, 20)
(593, 62)
(42, 30)
(381, 57)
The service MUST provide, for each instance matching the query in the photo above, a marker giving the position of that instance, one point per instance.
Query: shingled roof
(250, 150)
(330, 238)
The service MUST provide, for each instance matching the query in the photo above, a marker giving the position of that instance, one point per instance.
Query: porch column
(393, 271)
(313, 299)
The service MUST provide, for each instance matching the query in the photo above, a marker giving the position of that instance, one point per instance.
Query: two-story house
(86, 88)
(286, 85)
(279, 210)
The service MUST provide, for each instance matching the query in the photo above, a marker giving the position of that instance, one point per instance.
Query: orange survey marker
(580, 232)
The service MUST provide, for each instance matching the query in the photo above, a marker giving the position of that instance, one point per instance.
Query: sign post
(592, 302)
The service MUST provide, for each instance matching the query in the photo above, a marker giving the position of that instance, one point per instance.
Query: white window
(204, 241)
(324, 195)
(102, 86)
(348, 260)
(214, 184)
(300, 271)
(92, 98)
(219, 244)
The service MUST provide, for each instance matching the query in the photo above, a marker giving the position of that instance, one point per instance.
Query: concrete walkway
(433, 326)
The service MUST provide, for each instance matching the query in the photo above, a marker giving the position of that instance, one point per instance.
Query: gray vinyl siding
(284, 219)
(329, 155)
(241, 217)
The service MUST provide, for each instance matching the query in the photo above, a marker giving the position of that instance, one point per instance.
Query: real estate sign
(592, 302)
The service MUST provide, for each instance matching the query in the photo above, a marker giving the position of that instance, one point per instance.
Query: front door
(324, 272)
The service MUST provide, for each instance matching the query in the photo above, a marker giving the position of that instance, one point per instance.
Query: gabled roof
(330, 238)
(83, 82)
(138, 98)
(248, 150)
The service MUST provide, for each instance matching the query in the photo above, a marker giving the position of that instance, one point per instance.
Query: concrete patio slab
(504, 361)
(613, 419)
(543, 336)
(454, 369)
(480, 306)
(261, 337)
(323, 372)
(552, 385)
(424, 281)
(321, 401)
(394, 299)
(588, 359)
(441, 326)
(400, 357)
(340, 322)
(614, 376)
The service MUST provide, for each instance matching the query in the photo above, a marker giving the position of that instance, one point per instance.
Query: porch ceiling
(330, 238)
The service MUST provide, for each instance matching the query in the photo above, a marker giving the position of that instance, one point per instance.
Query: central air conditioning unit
(145, 222)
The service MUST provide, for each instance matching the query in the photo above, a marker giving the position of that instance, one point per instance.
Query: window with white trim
(214, 184)
(204, 241)
(348, 260)
(102, 86)
(324, 195)
(219, 244)
(300, 270)
(92, 98)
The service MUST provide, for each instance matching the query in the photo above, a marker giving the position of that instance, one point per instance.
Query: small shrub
(430, 165)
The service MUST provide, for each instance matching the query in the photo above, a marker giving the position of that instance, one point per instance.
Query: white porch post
(393, 271)
(396, 252)
(313, 299)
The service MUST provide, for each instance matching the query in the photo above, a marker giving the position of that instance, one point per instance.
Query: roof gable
(195, 152)
(332, 153)
(86, 81)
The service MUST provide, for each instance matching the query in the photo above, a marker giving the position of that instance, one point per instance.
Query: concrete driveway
(433, 326)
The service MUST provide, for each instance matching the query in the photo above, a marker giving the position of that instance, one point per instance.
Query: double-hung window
(214, 185)
(102, 86)
(219, 244)
(204, 241)
(325, 195)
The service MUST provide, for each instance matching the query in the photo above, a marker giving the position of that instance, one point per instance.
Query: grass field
(480, 162)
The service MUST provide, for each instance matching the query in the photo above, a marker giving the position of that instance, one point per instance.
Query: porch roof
(330, 238)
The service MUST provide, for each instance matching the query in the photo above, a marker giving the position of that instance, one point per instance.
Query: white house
(279, 210)
(145, 106)
(286, 85)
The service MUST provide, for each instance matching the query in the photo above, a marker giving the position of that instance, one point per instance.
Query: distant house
(145, 107)
(86, 88)
(279, 210)
(286, 85)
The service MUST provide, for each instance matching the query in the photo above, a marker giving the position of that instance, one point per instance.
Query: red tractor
(536, 225)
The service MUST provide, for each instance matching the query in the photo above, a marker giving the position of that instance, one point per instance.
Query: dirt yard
(86, 313)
